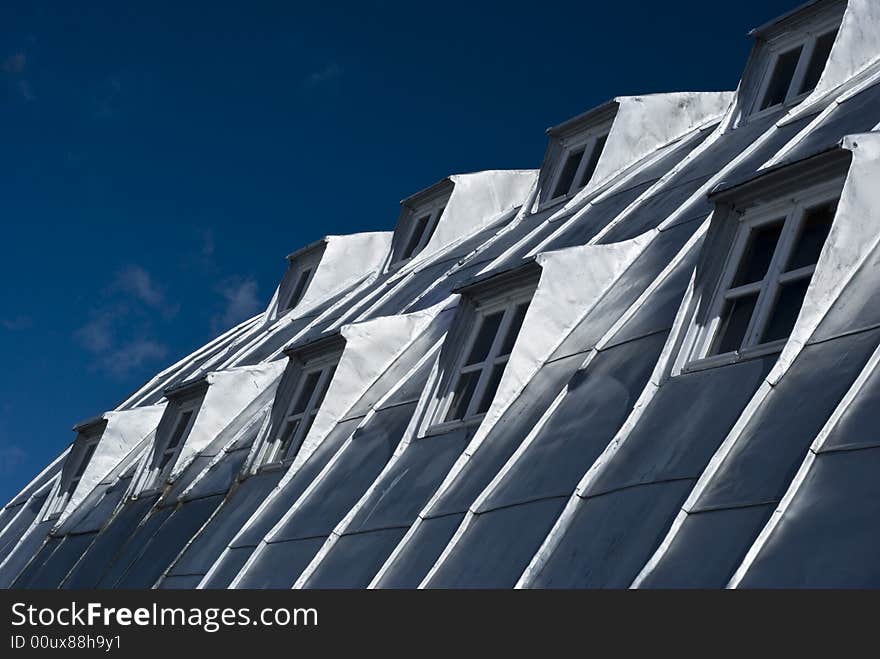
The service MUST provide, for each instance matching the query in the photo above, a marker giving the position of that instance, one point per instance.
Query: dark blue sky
(159, 160)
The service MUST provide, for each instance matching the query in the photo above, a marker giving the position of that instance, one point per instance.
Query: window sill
(782, 108)
(729, 358)
(273, 466)
(447, 426)
(558, 201)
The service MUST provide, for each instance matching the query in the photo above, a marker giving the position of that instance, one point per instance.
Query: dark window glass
(179, 429)
(308, 421)
(780, 81)
(734, 323)
(464, 391)
(305, 393)
(513, 331)
(758, 253)
(568, 172)
(785, 311)
(817, 62)
(300, 288)
(491, 388)
(84, 462)
(324, 387)
(433, 227)
(485, 336)
(287, 437)
(415, 236)
(812, 235)
(590, 167)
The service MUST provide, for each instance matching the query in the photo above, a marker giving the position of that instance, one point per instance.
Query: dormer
(602, 146)
(101, 445)
(301, 267)
(789, 58)
(307, 377)
(573, 154)
(197, 412)
(420, 214)
(453, 209)
(88, 435)
(326, 268)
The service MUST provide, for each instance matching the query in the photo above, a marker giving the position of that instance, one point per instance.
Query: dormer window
(299, 400)
(766, 276)
(301, 270)
(796, 71)
(174, 429)
(477, 354)
(422, 229)
(303, 278)
(80, 456)
(792, 54)
(574, 152)
(578, 164)
(418, 221)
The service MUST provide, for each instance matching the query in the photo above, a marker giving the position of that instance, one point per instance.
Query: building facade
(649, 363)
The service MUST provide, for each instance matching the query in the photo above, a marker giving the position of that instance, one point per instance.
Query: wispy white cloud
(99, 334)
(137, 282)
(133, 354)
(12, 457)
(119, 331)
(329, 72)
(15, 64)
(241, 301)
(106, 97)
(14, 67)
(17, 323)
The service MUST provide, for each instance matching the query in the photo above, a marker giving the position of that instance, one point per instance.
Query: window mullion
(589, 145)
(770, 291)
(428, 231)
(486, 373)
(801, 70)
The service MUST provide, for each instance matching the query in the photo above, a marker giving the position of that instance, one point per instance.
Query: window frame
(305, 260)
(269, 456)
(434, 210)
(154, 477)
(475, 310)
(83, 451)
(309, 271)
(776, 47)
(792, 210)
(588, 139)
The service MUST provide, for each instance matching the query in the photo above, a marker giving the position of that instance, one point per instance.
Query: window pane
(306, 392)
(324, 387)
(309, 420)
(300, 288)
(783, 72)
(416, 236)
(813, 233)
(286, 438)
(513, 331)
(84, 462)
(179, 429)
(590, 167)
(734, 323)
(430, 232)
(785, 311)
(568, 172)
(464, 391)
(165, 458)
(491, 388)
(758, 253)
(485, 337)
(817, 62)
